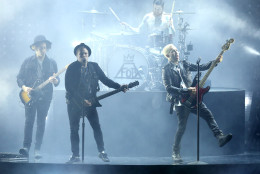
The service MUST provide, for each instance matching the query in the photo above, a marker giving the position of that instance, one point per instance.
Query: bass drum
(127, 64)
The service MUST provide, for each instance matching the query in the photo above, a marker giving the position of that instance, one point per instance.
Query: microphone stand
(83, 131)
(198, 110)
(198, 115)
(83, 122)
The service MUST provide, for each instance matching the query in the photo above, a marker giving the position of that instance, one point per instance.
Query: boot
(224, 139)
(176, 156)
(24, 151)
(73, 159)
(37, 154)
(103, 156)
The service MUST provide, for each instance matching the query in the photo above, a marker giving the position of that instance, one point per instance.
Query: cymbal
(92, 12)
(182, 12)
(185, 29)
(123, 34)
(98, 35)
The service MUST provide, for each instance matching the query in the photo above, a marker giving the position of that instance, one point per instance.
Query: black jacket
(73, 75)
(172, 79)
(28, 74)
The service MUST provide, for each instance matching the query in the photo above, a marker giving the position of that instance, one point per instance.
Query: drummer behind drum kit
(125, 57)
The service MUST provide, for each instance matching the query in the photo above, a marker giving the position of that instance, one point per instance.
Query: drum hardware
(94, 18)
(183, 27)
(158, 41)
(188, 49)
(156, 63)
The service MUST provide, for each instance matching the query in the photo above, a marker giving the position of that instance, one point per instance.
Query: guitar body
(28, 99)
(94, 102)
(25, 98)
(190, 101)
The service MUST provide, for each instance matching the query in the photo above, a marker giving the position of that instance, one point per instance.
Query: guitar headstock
(133, 84)
(227, 44)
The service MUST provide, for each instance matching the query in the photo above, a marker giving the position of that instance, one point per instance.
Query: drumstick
(115, 14)
(173, 4)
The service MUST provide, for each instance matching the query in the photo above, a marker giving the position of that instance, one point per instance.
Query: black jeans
(74, 117)
(183, 114)
(41, 108)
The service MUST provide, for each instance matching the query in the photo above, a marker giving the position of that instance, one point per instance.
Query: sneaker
(73, 159)
(103, 156)
(37, 154)
(176, 157)
(24, 151)
(224, 139)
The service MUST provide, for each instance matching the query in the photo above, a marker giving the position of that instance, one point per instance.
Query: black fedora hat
(39, 39)
(82, 45)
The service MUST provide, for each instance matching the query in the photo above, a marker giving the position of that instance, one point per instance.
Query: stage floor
(239, 164)
(245, 158)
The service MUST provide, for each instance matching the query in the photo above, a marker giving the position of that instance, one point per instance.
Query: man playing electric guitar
(177, 81)
(36, 69)
(81, 83)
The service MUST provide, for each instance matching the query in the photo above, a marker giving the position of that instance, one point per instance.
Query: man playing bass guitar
(177, 81)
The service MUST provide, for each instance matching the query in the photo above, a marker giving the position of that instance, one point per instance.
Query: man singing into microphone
(81, 83)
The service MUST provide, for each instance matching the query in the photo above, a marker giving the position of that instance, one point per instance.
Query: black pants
(74, 118)
(183, 114)
(41, 108)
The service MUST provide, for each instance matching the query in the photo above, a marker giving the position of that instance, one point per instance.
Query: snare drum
(127, 64)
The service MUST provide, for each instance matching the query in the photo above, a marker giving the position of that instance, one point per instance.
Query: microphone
(199, 59)
(84, 61)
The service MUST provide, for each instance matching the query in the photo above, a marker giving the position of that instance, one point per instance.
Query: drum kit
(128, 56)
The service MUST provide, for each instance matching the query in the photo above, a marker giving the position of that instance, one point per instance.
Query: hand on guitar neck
(53, 79)
(219, 59)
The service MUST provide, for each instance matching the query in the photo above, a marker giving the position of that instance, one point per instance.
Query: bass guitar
(95, 101)
(29, 98)
(190, 100)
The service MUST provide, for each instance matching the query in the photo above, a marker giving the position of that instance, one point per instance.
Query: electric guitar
(190, 100)
(95, 101)
(29, 98)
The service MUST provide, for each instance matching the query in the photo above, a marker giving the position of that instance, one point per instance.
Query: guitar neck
(109, 94)
(213, 65)
(225, 47)
(46, 82)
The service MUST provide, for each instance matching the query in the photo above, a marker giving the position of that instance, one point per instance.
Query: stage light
(247, 100)
(251, 50)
